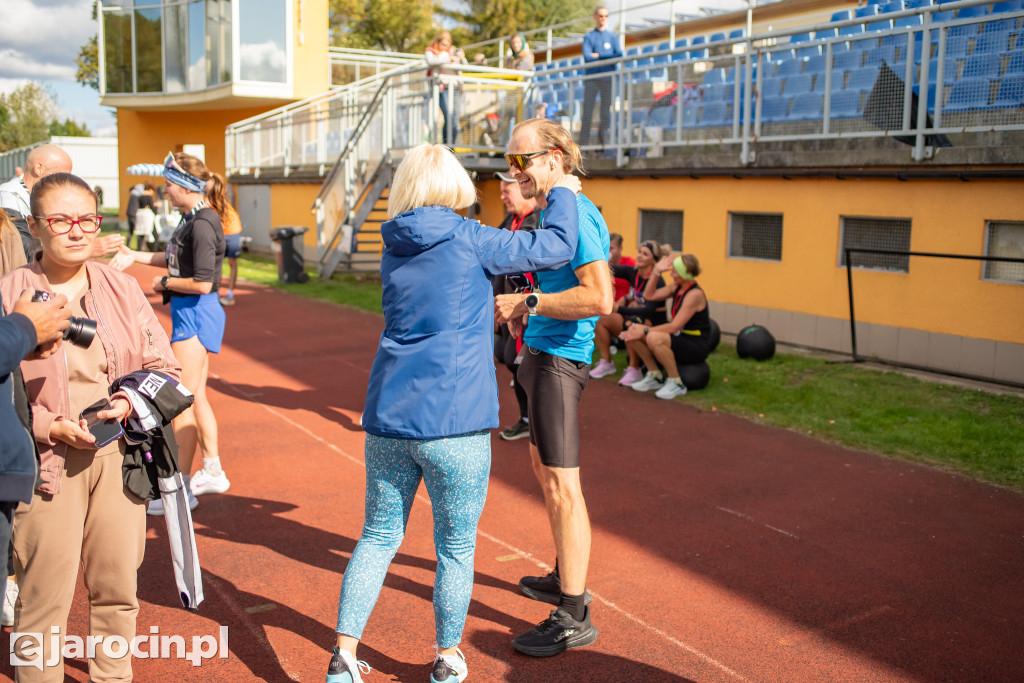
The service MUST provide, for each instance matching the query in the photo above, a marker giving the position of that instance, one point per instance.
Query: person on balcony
(599, 44)
(520, 57)
(438, 53)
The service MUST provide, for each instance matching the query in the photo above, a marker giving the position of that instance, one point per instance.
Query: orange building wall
(938, 295)
(310, 74)
(290, 204)
(147, 137)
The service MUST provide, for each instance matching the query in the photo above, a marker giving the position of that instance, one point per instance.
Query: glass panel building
(191, 46)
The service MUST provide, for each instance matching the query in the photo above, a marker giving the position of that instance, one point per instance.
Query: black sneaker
(556, 634)
(547, 589)
(344, 668)
(520, 430)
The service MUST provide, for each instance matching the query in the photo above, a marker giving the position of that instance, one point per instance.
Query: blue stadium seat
(845, 104)
(714, 114)
(1010, 93)
(702, 53)
(825, 34)
(931, 95)
(999, 25)
(956, 47)
(1016, 64)
(771, 87)
(691, 113)
(774, 109)
(963, 30)
(992, 42)
(863, 79)
(907, 22)
(1009, 6)
(895, 6)
(681, 42)
(715, 92)
(866, 11)
(647, 48)
(837, 82)
(681, 54)
(875, 56)
(790, 67)
(663, 47)
(972, 12)
(800, 83)
(875, 26)
(659, 73)
(737, 33)
(949, 74)
(663, 117)
(874, 2)
(842, 15)
(698, 40)
(717, 37)
(914, 4)
(807, 106)
(968, 94)
(851, 30)
(945, 15)
(847, 61)
(815, 65)
(714, 76)
(985, 65)
(799, 38)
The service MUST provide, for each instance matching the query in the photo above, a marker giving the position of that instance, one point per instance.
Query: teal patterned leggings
(455, 470)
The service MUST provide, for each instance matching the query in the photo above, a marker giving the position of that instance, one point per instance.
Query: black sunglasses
(521, 161)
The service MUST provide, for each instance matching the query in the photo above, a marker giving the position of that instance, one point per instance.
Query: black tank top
(699, 324)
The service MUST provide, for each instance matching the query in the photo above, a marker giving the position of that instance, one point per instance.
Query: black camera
(80, 332)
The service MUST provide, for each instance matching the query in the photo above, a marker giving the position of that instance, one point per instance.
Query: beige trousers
(93, 521)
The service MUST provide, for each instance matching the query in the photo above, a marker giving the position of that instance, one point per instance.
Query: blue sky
(39, 41)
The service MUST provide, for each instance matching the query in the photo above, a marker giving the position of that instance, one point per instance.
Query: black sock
(574, 605)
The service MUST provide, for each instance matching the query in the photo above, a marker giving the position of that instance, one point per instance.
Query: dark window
(1006, 240)
(888, 234)
(663, 227)
(755, 235)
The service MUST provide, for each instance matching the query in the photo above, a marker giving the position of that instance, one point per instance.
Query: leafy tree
(398, 25)
(70, 128)
(88, 61)
(487, 19)
(88, 64)
(30, 110)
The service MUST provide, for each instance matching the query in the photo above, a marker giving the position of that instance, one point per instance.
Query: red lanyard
(677, 301)
(517, 221)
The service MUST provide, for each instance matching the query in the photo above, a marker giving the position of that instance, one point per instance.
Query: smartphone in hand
(105, 431)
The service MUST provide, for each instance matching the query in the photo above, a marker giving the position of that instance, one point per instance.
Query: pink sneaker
(602, 369)
(631, 375)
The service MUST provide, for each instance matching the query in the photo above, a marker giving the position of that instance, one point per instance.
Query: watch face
(532, 300)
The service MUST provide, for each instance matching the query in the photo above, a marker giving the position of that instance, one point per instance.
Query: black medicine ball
(695, 376)
(715, 335)
(755, 342)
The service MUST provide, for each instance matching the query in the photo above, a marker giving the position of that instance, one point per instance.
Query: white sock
(212, 465)
(231, 293)
(656, 374)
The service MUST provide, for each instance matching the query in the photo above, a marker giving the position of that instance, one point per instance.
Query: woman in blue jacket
(432, 393)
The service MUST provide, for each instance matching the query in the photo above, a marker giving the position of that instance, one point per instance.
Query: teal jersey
(572, 339)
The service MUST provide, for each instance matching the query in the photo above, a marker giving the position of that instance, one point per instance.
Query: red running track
(723, 550)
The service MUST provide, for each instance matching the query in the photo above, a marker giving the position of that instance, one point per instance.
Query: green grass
(957, 429)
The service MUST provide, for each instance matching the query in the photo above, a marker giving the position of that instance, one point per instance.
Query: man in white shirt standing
(14, 194)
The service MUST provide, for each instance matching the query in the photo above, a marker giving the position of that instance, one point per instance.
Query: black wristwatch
(164, 280)
(532, 299)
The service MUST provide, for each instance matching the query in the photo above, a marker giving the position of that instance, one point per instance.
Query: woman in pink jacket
(81, 513)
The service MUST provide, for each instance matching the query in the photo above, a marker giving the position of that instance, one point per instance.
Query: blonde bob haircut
(430, 175)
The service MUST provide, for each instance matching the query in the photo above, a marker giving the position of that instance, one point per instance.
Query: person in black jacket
(523, 214)
(32, 330)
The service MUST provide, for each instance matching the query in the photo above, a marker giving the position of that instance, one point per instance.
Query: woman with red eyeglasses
(81, 514)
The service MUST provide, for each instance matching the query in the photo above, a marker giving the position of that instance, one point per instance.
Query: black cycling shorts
(553, 386)
(689, 349)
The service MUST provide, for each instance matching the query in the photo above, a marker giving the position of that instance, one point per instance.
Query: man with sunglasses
(557, 348)
(599, 44)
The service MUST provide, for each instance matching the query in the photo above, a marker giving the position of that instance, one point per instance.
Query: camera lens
(81, 332)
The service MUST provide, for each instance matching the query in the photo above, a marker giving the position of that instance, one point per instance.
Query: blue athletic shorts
(198, 315)
(233, 245)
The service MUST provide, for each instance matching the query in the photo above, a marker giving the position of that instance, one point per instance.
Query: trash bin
(287, 248)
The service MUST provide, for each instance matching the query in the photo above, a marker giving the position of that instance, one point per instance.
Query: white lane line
(494, 539)
(751, 519)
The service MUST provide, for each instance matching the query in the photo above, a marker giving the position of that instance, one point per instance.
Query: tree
(398, 25)
(88, 64)
(69, 128)
(488, 19)
(30, 110)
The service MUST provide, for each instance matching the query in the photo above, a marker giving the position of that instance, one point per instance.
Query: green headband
(681, 268)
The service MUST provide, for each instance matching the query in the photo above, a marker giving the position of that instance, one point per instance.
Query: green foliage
(69, 128)
(355, 291)
(30, 110)
(397, 25)
(487, 19)
(88, 63)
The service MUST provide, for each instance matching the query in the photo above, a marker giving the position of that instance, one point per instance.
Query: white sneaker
(671, 389)
(647, 383)
(602, 369)
(10, 597)
(449, 668)
(156, 507)
(204, 482)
